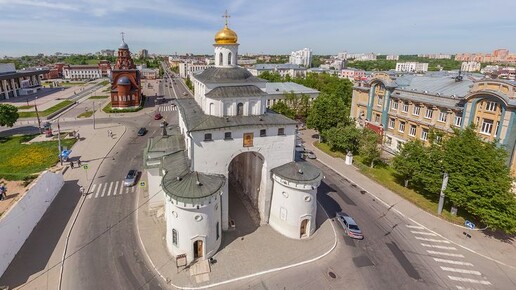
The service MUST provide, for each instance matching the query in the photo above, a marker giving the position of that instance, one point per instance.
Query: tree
(8, 115)
(188, 83)
(407, 161)
(343, 138)
(368, 147)
(327, 111)
(271, 77)
(479, 179)
(282, 108)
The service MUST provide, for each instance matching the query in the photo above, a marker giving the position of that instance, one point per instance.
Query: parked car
(311, 155)
(350, 226)
(158, 116)
(185, 94)
(142, 131)
(130, 179)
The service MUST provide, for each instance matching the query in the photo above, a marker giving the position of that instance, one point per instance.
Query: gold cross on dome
(226, 16)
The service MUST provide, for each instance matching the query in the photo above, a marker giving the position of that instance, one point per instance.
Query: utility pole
(441, 196)
(93, 115)
(59, 143)
(37, 115)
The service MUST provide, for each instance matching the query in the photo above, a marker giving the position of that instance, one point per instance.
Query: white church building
(228, 143)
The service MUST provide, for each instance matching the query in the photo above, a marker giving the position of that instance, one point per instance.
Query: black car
(142, 131)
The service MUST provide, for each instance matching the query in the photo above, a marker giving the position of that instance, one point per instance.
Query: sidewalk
(502, 252)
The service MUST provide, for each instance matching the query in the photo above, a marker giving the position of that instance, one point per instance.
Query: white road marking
(415, 227)
(98, 190)
(90, 194)
(463, 271)
(460, 279)
(121, 189)
(110, 186)
(104, 191)
(116, 187)
(439, 247)
(432, 240)
(445, 254)
(423, 233)
(127, 190)
(453, 262)
(463, 288)
(132, 188)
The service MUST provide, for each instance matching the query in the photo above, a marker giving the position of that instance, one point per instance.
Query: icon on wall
(248, 139)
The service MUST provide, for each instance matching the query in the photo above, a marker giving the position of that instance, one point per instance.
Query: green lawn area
(32, 114)
(25, 107)
(85, 114)
(92, 61)
(98, 97)
(17, 160)
(384, 175)
(104, 83)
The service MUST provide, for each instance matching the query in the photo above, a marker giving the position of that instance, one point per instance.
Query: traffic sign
(142, 184)
(85, 166)
(469, 224)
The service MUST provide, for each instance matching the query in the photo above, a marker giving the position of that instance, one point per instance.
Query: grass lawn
(25, 107)
(104, 83)
(326, 149)
(32, 114)
(17, 160)
(98, 97)
(85, 114)
(92, 61)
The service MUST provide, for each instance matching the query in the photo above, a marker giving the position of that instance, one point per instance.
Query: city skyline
(167, 27)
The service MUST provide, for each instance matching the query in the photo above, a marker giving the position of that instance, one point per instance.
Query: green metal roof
(300, 172)
(235, 92)
(220, 75)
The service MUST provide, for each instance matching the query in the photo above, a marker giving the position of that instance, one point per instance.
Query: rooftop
(235, 91)
(227, 75)
(300, 172)
(271, 66)
(275, 88)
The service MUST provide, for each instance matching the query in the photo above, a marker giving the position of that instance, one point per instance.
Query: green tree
(343, 138)
(271, 77)
(407, 161)
(327, 111)
(188, 83)
(369, 149)
(479, 179)
(281, 107)
(8, 115)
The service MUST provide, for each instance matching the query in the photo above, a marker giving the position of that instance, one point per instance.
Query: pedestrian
(71, 164)
(81, 189)
(78, 136)
(79, 162)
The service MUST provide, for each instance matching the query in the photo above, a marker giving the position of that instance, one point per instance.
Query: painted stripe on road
(104, 191)
(439, 247)
(423, 233)
(121, 189)
(445, 254)
(415, 227)
(460, 279)
(463, 288)
(453, 262)
(127, 190)
(110, 186)
(433, 240)
(116, 187)
(90, 194)
(133, 188)
(462, 271)
(98, 190)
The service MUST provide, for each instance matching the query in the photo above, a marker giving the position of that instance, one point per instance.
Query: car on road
(158, 116)
(130, 179)
(185, 94)
(350, 226)
(311, 155)
(142, 131)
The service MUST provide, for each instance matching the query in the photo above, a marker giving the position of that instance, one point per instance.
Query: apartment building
(416, 67)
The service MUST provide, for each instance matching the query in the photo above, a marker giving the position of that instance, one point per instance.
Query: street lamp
(441, 195)
(37, 115)
(94, 115)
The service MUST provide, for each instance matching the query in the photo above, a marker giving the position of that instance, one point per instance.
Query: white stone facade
(80, 72)
(416, 67)
(301, 57)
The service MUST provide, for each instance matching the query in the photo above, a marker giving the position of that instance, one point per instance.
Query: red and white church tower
(125, 80)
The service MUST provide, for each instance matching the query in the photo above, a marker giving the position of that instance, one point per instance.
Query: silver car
(130, 179)
(350, 226)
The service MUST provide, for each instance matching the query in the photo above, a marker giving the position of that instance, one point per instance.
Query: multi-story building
(292, 70)
(352, 74)
(392, 57)
(436, 55)
(143, 53)
(498, 56)
(409, 107)
(276, 92)
(416, 67)
(301, 57)
(470, 66)
(18, 83)
(81, 72)
(107, 52)
(188, 68)
(361, 56)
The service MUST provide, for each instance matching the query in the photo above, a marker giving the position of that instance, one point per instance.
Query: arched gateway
(228, 159)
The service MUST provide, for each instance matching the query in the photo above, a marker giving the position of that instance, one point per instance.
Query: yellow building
(407, 107)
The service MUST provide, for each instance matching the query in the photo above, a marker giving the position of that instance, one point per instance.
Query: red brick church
(126, 91)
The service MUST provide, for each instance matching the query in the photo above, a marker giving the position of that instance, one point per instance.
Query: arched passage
(245, 186)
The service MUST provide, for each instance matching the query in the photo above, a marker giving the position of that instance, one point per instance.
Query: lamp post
(59, 142)
(94, 115)
(37, 115)
(441, 195)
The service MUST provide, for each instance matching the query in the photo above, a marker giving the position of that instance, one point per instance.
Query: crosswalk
(107, 189)
(450, 261)
(167, 108)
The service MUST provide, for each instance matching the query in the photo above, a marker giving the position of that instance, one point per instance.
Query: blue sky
(263, 26)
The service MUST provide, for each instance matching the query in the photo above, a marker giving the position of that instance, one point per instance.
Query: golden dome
(226, 36)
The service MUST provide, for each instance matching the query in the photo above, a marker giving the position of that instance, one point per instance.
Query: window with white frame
(388, 141)
(487, 126)
(416, 110)
(458, 121)
(424, 134)
(401, 128)
(438, 139)
(377, 118)
(392, 122)
(405, 107)
(442, 116)
(399, 146)
(412, 130)
(379, 101)
(429, 113)
(491, 106)
(394, 105)
(497, 126)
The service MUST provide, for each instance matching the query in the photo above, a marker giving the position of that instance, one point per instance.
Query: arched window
(240, 109)
(220, 58)
(174, 237)
(212, 108)
(229, 58)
